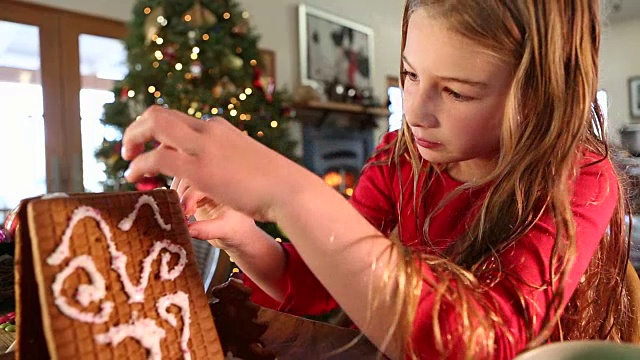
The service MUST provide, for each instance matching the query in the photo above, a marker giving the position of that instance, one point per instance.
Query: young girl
(508, 210)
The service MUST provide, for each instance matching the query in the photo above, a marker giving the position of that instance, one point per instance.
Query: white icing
(127, 223)
(136, 293)
(145, 331)
(55, 195)
(181, 300)
(62, 251)
(85, 294)
(119, 259)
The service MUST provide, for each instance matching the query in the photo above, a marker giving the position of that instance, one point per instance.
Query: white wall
(619, 60)
(276, 22)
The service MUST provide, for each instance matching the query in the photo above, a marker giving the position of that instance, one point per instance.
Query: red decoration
(257, 77)
(150, 183)
(169, 53)
(259, 83)
(11, 225)
(124, 93)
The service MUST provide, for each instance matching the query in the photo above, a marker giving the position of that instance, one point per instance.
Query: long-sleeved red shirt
(377, 198)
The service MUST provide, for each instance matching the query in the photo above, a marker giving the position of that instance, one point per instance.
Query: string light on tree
(274, 124)
(242, 97)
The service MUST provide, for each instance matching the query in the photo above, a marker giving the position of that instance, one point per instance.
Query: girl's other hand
(220, 225)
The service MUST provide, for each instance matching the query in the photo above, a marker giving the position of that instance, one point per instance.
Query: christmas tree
(199, 57)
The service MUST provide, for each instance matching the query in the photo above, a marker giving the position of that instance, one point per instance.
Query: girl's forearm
(341, 247)
(264, 261)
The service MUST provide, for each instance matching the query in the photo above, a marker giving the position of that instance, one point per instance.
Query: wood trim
(50, 79)
(73, 26)
(91, 24)
(61, 83)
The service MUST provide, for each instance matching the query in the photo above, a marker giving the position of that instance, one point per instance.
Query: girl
(508, 209)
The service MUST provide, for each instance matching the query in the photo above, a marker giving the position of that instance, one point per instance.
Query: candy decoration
(7, 318)
(11, 225)
(150, 183)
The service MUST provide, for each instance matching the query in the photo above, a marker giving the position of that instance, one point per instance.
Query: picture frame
(268, 60)
(334, 50)
(634, 97)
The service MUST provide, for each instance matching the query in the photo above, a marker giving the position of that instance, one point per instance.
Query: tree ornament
(152, 24)
(196, 69)
(234, 62)
(241, 28)
(169, 53)
(124, 93)
(199, 16)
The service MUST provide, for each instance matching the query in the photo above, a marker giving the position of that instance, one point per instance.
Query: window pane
(395, 98)
(102, 62)
(21, 116)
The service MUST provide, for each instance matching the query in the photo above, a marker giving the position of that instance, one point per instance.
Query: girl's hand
(222, 226)
(219, 160)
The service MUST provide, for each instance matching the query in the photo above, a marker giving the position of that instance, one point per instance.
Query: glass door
(31, 160)
(21, 115)
(102, 62)
(94, 58)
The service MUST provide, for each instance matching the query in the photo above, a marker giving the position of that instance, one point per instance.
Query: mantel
(317, 112)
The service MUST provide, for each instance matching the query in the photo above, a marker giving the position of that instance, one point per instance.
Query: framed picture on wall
(268, 59)
(334, 49)
(634, 97)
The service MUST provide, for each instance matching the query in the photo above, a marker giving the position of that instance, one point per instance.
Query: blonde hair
(550, 115)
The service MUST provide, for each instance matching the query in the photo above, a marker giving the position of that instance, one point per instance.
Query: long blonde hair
(550, 115)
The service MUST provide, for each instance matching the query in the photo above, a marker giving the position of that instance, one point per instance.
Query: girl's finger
(189, 200)
(169, 127)
(208, 229)
(183, 187)
(162, 160)
(175, 183)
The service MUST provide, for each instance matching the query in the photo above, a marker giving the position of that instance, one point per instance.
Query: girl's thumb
(208, 229)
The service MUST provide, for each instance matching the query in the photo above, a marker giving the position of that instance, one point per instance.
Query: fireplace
(336, 152)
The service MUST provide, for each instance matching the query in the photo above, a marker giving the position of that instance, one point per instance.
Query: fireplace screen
(343, 180)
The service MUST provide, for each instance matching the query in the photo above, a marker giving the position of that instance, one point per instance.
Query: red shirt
(377, 198)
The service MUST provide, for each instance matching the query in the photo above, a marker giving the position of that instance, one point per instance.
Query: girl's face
(454, 98)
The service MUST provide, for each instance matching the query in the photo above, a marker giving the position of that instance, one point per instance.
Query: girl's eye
(411, 76)
(457, 96)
